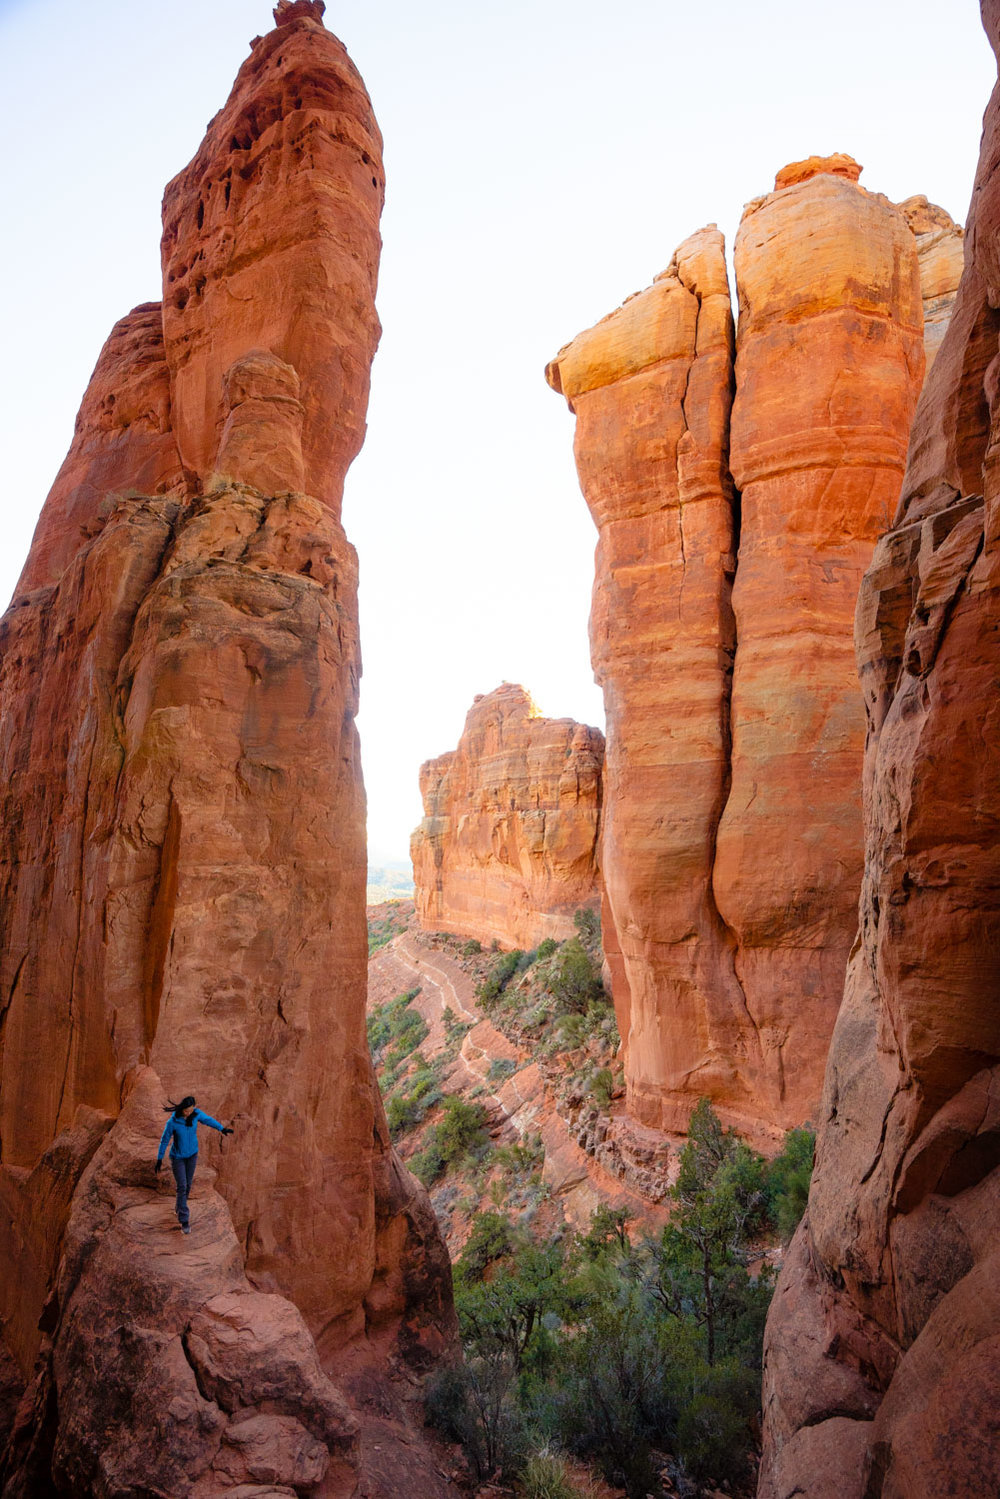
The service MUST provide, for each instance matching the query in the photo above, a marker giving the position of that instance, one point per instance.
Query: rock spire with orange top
(507, 848)
(727, 565)
(182, 887)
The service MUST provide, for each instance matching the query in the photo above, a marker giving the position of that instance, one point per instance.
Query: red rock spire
(290, 10)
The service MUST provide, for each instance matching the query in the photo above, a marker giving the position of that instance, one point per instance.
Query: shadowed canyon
(652, 1151)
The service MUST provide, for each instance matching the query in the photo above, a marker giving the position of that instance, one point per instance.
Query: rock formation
(182, 865)
(508, 845)
(941, 256)
(727, 568)
(829, 364)
(883, 1342)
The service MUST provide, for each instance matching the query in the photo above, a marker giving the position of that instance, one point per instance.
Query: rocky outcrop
(883, 1340)
(170, 1373)
(727, 567)
(941, 256)
(507, 849)
(182, 841)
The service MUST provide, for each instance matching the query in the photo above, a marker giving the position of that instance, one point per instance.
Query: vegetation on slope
(619, 1351)
(641, 1357)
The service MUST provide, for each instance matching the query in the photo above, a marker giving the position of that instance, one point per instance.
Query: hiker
(181, 1133)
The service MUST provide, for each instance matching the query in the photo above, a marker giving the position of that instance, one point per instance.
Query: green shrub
(608, 1231)
(402, 1114)
(524, 1157)
(471, 948)
(713, 1424)
(406, 1109)
(602, 1086)
(721, 1204)
(572, 1031)
(788, 1178)
(501, 1068)
(614, 1396)
(474, 1403)
(499, 976)
(588, 924)
(546, 948)
(392, 1020)
(460, 1132)
(428, 1164)
(492, 1238)
(382, 932)
(574, 978)
(545, 1476)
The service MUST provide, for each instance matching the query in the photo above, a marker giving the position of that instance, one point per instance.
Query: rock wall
(738, 494)
(941, 257)
(182, 840)
(507, 849)
(883, 1338)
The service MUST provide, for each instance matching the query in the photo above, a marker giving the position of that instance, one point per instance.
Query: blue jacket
(182, 1134)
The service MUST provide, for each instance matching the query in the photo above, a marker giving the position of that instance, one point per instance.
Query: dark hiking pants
(183, 1169)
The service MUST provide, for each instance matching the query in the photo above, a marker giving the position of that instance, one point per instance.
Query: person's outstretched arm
(224, 1129)
(164, 1141)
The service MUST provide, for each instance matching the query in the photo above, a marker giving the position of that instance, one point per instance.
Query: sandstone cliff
(182, 868)
(883, 1338)
(507, 848)
(941, 256)
(727, 566)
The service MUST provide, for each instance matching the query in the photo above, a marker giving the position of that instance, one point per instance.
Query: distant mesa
(507, 849)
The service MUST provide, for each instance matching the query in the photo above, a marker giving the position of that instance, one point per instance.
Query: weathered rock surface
(731, 849)
(829, 365)
(941, 256)
(296, 287)
(182, 840)
(507, 849)
(167, 1371)
(890, 1294)
(651, 388)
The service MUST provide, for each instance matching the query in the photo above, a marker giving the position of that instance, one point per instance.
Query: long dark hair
(177, 1109)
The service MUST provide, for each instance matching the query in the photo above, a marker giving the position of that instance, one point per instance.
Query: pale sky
(542, 160)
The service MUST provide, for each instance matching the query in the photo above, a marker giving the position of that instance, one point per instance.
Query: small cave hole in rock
(200, 216)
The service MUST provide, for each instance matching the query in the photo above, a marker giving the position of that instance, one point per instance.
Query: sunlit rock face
(182, 865)
(941, 256)
(507, 849)
(829, 364)
(883, 1339)
(738, 486)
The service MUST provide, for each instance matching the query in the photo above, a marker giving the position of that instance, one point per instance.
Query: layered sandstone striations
(651, 388)
(727, 567)
(182, 864)
(507, 849)
(884, 1335)
(829, 364)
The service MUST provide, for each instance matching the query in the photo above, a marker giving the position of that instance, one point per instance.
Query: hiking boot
(185, 1228)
